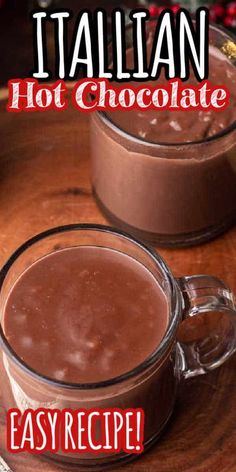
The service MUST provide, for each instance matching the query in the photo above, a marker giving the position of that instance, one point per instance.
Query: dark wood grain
(44, 182)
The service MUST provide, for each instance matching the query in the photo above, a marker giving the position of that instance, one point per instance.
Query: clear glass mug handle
(207, 335)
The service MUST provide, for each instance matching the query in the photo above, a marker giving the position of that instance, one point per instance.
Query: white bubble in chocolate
(175, 125)
(27, 341)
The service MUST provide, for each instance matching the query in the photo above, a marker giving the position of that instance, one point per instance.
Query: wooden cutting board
(44, 182)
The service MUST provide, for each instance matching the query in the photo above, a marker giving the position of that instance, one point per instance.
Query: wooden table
(44, 182)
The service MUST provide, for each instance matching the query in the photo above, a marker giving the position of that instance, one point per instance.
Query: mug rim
(174, 311)
(168, 145)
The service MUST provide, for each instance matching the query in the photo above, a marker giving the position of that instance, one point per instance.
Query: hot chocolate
(84, 303)
(171, 126)
(85, 315)
(169, 176)
(78, 316)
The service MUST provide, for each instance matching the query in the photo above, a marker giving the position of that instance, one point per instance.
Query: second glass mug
(153, 384)
(170, 194)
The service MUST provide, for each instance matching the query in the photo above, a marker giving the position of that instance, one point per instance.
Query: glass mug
(171, 194)
(152, 385)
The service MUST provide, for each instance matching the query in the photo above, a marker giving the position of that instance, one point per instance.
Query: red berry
(231, 9)
(154, 10)
(218, 10)
(175, 8)
(229, 22)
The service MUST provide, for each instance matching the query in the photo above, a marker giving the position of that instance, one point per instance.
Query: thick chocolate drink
(165, 126)
(85, 314)
(170, 176)
(79, 308)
